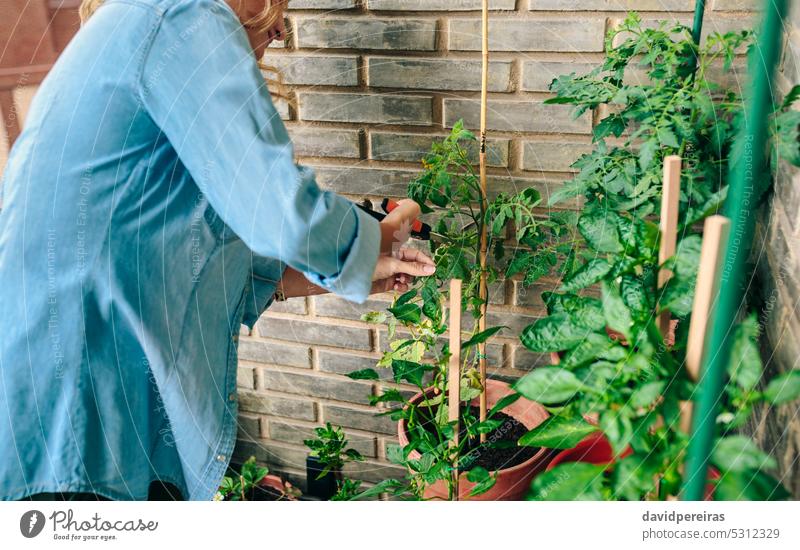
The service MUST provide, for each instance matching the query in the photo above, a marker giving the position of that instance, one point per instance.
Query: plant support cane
(454, 375)
(669, 228)
(747, 163)
(483, 290)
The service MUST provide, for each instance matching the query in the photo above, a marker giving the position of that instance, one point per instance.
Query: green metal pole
(747, 163)
(697, 27)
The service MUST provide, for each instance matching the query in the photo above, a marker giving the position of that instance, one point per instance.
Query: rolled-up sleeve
(202, 87)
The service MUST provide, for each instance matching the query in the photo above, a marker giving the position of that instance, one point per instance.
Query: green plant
(330, 447)
(244, 484)
(417, 320)
(634, 383)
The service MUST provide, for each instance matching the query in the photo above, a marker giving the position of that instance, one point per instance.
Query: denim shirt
(149, 207)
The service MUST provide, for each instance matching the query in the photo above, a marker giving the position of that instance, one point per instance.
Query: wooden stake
(454, 370)
(482, 287)
(669, 227)
(715, 235)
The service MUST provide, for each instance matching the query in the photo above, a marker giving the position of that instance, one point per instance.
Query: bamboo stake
(715, 235)
(669, 227)
(482, 287)
(454, 370)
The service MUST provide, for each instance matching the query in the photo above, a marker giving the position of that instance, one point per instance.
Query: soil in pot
(500, 450)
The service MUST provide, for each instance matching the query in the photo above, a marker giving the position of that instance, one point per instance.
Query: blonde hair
(261, 22)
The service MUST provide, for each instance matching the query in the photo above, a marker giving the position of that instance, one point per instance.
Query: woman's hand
(397, 266)
(397, 272)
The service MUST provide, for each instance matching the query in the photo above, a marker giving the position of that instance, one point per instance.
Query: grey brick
(245, 378)
(316, 70)
(437, 74)
(537, 75)
(380, 182)
(264, 403)
(249, 426)
(367, 420)
(292, 305)
(531, 296)
(529, 35)
(526, 360)
(366, 33)
(517, 116)
(514, 322)
(366, 108)
(373, 471)
(314, 333)
(274, 353)
(323, 142)
(738, 5)
(612, 5)
(322, 4)
(438, 5)
(413, 147)
(556, 156)
(283, 108)
(344, 363)
(293, 433)
(329, 305)
(316, 386)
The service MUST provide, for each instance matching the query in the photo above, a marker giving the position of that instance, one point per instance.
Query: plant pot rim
(540, 454)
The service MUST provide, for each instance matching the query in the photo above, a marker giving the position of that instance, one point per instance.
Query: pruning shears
(419, 230)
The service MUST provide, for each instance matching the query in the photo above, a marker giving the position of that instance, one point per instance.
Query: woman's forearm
(294, 284)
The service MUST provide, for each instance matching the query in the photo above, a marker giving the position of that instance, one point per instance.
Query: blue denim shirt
(149, 206)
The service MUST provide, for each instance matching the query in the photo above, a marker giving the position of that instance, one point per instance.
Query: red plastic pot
(595, 449)
(512, 483)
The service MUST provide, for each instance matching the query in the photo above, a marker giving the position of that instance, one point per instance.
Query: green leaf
(409, 313)
(364, 374)
(481, 337)
(783, 388)
(409, 371)
(599, 228)
(588, 274)
(745, 366)
(572, 481)
(549, 385)
(750, 485)
(553, 333)
(618, 429)
(738, 453)
(374, 317)
(503, 403)
(558, 432)
(646, 395)
(482, 479)
(618, 316)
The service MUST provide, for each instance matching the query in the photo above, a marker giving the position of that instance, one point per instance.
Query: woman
(150, 207)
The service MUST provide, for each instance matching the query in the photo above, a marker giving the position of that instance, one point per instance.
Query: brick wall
(373, 82)
(778, 252)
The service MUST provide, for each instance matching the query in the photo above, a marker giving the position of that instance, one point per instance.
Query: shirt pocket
(218, 227)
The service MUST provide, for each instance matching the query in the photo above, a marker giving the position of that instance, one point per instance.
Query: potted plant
(492, 466)
(617, 374)
(325, 463)
(254, 482)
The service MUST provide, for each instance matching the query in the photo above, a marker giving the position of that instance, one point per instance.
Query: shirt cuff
(265, 275)
(354, 280)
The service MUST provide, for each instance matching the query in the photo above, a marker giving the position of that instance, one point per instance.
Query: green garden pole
(697, 27)
(748, 159)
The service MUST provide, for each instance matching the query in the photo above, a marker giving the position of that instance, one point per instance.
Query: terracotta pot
(512, 483)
